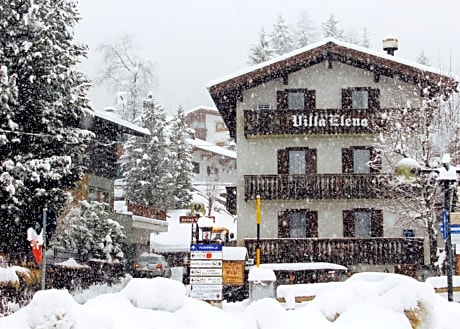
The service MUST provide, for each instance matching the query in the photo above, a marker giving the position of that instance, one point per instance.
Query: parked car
(150, 265)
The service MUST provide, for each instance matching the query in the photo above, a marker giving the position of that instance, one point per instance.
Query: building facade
(208, 125)
(305, 125)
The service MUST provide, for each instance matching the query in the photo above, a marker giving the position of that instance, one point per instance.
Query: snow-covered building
(305, 126)
(208, 125)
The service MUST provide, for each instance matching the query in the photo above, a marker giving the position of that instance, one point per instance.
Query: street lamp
(407, 170)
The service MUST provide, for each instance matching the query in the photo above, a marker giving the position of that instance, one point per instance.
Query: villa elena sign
(329, 120)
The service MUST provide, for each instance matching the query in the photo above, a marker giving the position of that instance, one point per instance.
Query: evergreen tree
(260, 51)
(365, 41)
(88, 230)
(146, 160)
(280, 38)
(330, 28)
(43, 98)
(422, 59)
(181, 163)
(305, 32)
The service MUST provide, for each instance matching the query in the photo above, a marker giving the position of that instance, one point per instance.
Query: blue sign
(454, 229)
(205, 247)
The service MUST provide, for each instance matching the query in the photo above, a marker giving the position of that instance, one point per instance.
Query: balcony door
(362, 223)
(360, 160)
(297, 161)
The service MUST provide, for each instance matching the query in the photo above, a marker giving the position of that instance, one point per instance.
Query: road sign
(206, 247)
(206, 271)
(205, 280)
(206, 291)
(197, 255)
(188, 219)
(454, 232)
(206, 263)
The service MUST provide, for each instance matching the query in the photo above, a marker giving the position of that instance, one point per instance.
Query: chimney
(390, 44)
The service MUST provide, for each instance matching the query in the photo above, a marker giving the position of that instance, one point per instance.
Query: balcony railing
(312, 121)
(315, 186)
(343, 251)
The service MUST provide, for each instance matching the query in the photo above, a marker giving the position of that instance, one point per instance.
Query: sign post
(206, 272)
(43, 282)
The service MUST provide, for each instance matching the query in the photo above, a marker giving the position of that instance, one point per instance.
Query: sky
(192, 43)
(366, 300)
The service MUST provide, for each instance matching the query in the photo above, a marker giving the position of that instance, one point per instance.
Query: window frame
(373, 98)
(311, 218)
(348, 160)
(311, 165)
(376, 217)
(282, 99)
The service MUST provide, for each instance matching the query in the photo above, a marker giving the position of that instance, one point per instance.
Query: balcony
(321, 121)
(315, 186)
(343, 251)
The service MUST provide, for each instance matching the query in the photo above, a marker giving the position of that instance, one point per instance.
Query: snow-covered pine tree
(261, 50)
(365, 41)
(330, 28)
(89, 231)
(180, 163)
(305, 32)
(280, 37)
(146, 160)
(42, 148)
(423, 59)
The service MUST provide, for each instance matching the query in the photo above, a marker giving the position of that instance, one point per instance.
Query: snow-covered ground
(366, 300)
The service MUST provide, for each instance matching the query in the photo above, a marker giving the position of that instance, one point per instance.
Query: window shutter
(283, 162)
(377, 223)
(312, 224)
(282, 100)
(311, 161)
(283, 224)
(348, 224)
(346, 99)
(310, 99)
(347, 160)
(374, 99)
(376, 165)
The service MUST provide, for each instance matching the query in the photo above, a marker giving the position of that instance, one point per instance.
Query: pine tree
(146, 160)
(280, 37)
(422, 59)
(181, 163)
(365, 41)
(305, 32)
(43, 98)
(331, 28)
(88, 230)
(260, 51)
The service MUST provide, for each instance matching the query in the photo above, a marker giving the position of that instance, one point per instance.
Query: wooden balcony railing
(312, 121)
(315, 186)
(343, 251)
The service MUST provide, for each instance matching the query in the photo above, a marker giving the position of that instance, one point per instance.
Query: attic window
(296, 100)
(360, 99)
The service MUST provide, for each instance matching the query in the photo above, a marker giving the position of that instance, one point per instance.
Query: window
(196, 124)
(212, 171)
(296, 99)
(360, 160)
(298, 223)
(264, 107)
(98, 195)
(362, 223)
(195, 167)
(360, 98)
(220, 126)
(297, 161)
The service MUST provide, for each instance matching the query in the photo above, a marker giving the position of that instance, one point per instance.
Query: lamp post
(407, 170)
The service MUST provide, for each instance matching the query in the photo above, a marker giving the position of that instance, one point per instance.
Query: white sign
(205, 263)
(205, 255)
(206, 272)
(455, 238)
(206, 280)
(206, 292)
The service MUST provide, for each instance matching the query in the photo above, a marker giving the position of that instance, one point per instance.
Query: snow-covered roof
(209, 147)
(130, 127)
(226, 91)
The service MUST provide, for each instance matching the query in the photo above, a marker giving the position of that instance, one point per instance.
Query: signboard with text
(206, 271)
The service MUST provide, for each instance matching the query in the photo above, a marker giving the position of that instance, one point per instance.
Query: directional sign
(206, 247)
(206, 292)
(188, 219)
(206, 272)
(454, 232)
(206, 263)
(197, 255)
(205, 280)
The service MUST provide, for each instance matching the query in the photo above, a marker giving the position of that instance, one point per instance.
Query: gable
(227, 92)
